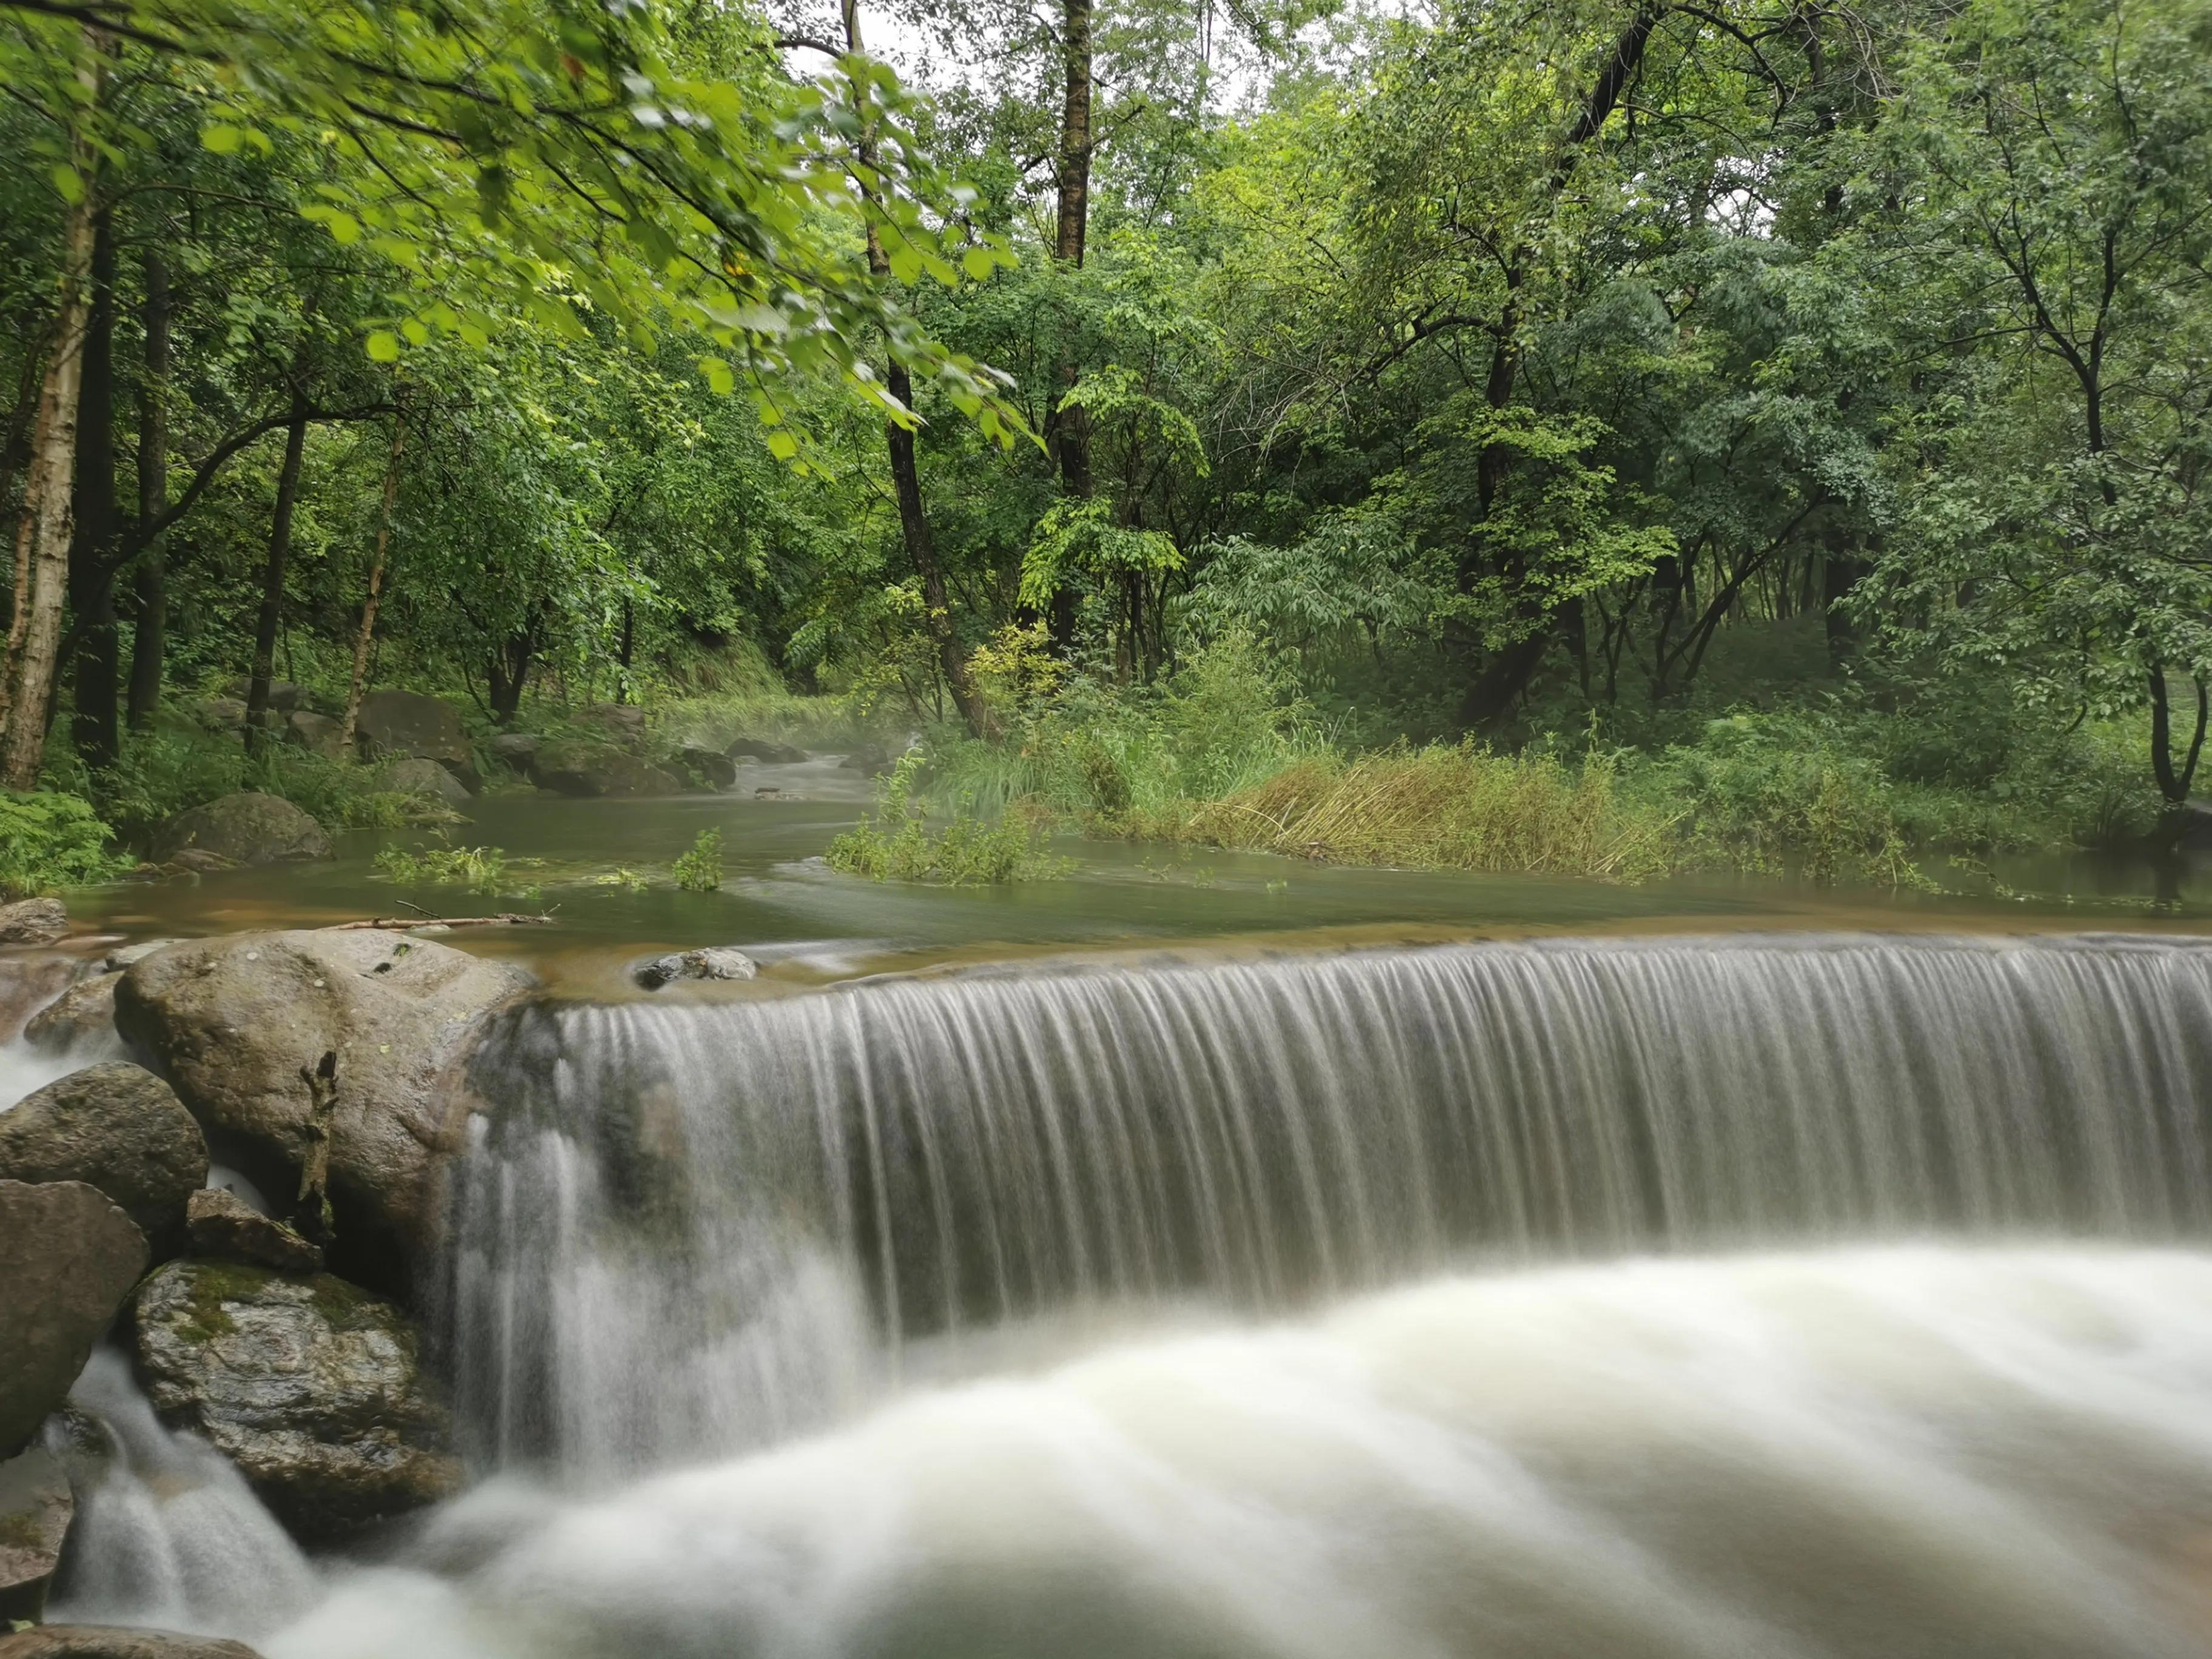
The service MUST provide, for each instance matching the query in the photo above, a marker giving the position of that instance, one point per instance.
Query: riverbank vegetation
(1608, 438)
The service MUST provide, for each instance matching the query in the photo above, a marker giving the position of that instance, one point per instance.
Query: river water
(1237, 1260)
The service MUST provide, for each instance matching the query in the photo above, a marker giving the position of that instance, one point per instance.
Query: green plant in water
(896, 843)
(700, 870)
(479, 869)
(623, 876)
(50, 841)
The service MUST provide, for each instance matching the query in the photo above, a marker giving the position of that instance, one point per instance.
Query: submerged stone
(765, 750)
(716, 962)
(312, 1387)
(117, 1128)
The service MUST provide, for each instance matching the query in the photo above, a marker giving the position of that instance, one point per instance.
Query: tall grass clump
(895, 843)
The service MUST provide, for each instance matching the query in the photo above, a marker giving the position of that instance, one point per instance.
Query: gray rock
(35, 1510)
(198, 862)
(122, 958)
(424, 777)
(760, 749)
(119, 1128)
(317, 734)
(518, 751)
(399, 725)
(33, 921)
(871, 759)
(233, 1020)
(715, 962)
(283, 695)
(223, 1227)
(247, 826)
(115, 1642)
(704, 767)
(226, 715)
(571, 766)
(623, 723)
(311, 1386)
(83, 1014)
(68, 1258)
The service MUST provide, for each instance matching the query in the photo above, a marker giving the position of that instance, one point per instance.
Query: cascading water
(688, 1228)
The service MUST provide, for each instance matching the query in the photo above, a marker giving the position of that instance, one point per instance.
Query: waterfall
(687, 1227)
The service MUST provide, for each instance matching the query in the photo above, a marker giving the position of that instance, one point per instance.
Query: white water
(169, 1534)
(1901, 1453)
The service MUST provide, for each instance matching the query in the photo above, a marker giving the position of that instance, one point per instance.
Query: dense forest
(1605, 436)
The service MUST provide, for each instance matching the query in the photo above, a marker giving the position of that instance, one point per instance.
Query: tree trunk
(43, 541)
(2173, 782)
(150, 639)
(272, 575)
(366, 632)
(1070, 429)
(95, 729)
(906, 483)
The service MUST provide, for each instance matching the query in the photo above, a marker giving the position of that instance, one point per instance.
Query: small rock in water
(83, 1013)
(115, 1642)
(35, 1507)
(766, 751)
(716, 962)
(33, 921)
(224, 1225)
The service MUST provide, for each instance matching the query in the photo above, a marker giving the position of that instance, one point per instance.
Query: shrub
(700, 870)
(895, 843)
(479, 869)
(50, 841)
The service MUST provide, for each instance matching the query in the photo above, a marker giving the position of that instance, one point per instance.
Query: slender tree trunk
(906, 483)
(42, 557)
(366, 632)
(150, 642)
(272, 576)
(95, 729)
(2173, 782)
(1070, 430)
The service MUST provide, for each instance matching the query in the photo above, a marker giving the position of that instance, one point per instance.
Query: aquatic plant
(700, 870)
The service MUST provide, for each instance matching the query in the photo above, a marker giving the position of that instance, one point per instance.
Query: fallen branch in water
(408, 924)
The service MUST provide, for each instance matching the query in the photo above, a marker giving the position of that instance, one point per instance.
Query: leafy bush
(700, 870)
(50, 841)
(479, 869)
(895, 843)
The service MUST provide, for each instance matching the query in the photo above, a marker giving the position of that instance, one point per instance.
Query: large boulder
(574, 766)
(117, 1128)
(312, 1387)
(414, 776)
(764, 751)
(117, 1642)
(83, 1016)
(248, 827)
(68, 1258)
(398, 725)
(35, 1510)
(220, 1226)
(33, 921)
(283, 695)
(518, 751)
(317, 734)
(235, 1023)
(622, 723)
(705, 768)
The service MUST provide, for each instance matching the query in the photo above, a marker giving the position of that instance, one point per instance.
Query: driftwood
(408, 924)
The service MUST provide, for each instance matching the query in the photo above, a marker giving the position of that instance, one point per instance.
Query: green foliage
(479, 869)
(164, 772)
(896, 844)
(50, 842)
(700, 870)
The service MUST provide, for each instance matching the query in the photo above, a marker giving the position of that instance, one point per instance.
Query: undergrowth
(50, 842)
(895, 843)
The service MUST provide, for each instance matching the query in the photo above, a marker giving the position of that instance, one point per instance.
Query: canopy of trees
(1501, 365)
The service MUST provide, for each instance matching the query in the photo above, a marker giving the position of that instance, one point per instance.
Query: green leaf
(782, 446)
(383, 346)
(717, 375)
(221, 139)
(69, 181)
(978, 264)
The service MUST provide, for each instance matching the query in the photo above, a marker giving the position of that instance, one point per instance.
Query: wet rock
(518, 751)
(404, 725)
(715, 962)
(426, 778)
(572, 766)
(80, 1017)
(232, 1022)
(222, 1226)
(311, 1386)
(33, 921)
(871, 759)
(119, 1128)
(317, 734)
(704, 767)
(248, 826)
(123, 956)
(35, 1510)
(68, 1258)
(622, 723)
(196, 861)
(760, 749)
(115, 1642)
